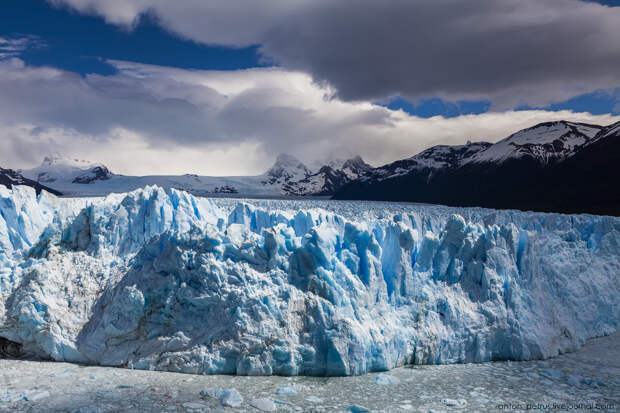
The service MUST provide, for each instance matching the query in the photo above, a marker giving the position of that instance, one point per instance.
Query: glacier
(162, 280)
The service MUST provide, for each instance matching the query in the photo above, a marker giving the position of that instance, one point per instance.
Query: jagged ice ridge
(156, 279)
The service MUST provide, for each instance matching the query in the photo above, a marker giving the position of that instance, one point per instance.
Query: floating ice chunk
(194, 405)
(283, 402)
(230, 398)
(314, 399)
(65, 373)
(354, 408)
(227, 397)
(386, 380)
(11, 396)
(454, 402)
(264, 404)
(209, 392)
(90, 409)
(35, 395)
(287, 390)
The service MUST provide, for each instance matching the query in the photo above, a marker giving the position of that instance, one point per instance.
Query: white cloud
(15, 45)
(230, 22)
(150, 119)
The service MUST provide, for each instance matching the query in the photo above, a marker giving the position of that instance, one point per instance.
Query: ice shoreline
(589, 376)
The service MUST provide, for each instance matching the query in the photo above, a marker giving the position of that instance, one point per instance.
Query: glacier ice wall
(157, 279)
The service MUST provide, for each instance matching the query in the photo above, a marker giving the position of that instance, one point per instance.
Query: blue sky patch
(428, 108)
(597, 103)
(81, 43)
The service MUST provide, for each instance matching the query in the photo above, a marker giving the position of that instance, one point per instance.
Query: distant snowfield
(162, 280)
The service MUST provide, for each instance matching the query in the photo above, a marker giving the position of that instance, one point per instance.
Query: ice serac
(157, 279)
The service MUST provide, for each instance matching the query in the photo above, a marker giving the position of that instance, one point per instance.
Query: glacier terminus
(162, 280)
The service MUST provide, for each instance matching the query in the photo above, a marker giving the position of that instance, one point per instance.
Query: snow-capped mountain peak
(59, 168)
(324, 178)
(428, 161)
(58, 160)
(329, 177)
(334, 163)
(441, 156)
(355, 167)
(544, 142)
(606, 132)
(286, 168)
(285, 160)
(340, 163)
(613, 128)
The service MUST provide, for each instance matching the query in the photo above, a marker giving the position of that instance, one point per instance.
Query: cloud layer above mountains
(149, 119)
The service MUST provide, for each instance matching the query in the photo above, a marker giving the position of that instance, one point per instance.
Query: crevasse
(157, 279)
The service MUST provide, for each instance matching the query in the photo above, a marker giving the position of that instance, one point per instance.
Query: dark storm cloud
(513, 52)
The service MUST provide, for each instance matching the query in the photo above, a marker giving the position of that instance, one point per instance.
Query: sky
(220, 88)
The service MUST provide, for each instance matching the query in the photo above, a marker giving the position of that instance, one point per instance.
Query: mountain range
(554, 166)
(288, 176)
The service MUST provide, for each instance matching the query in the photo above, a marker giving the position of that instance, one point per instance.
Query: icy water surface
(587, 380)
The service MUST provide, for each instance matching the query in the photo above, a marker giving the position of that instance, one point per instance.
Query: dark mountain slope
(582, 178)
(9, 177)
(589, 181)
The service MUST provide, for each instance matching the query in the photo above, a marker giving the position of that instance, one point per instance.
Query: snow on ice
(159, 279)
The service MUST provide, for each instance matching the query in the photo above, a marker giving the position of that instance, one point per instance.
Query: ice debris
(194, 405)
(264, 404)
(93, 409)
(227, 397)
(28, 395)
(454, 402)
(386, 380)
(287, 390)
(230, 398)
(66, 373)
(33, 396)
(354, 408)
